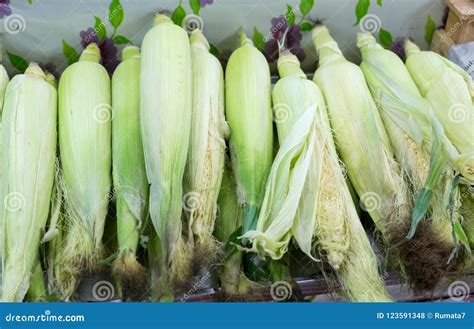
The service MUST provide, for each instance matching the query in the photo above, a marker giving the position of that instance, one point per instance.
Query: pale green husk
(420, 144)
(450, 91)
(29, 136)
(128, 168)
(361, 139)
(165, 112)
(206, 154)
(85, 149)
(249, 114)
(229, 219)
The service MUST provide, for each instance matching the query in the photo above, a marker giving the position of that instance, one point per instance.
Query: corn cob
(205, 164)
(326, 211)
(421, 147)
(249, 114)
(85, 148)
(29, 148)
(360, 137)
(450, 91)
(128, 167)
(166, 103)
(367, 153)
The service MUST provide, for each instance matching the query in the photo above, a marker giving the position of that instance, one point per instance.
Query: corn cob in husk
(366, 151)
(249, 114)
(85, 149)
(128, 167)
(323, 215)
(425, 154)
(206, 154)
(165, 113)
(29, 136)
(450, 91)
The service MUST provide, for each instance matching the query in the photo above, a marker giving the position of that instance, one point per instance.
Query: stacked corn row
(157, 132)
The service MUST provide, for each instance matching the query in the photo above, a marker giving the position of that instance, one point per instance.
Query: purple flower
(108, 53)
(108, 50)
(398, 47)
(272, 50)
(293, 37)
(204, 3)
(88, 36)
(278, 28)
(299, 52)
(5, 9)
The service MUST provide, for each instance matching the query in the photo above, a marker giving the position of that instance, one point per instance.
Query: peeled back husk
(165, 113)
(206, 154)
(128, 168)
(249, 114)
(85, 148)
(28, 162)
(326, 217)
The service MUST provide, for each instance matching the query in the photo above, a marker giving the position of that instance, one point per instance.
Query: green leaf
(17, 62)
(461, 235)
(195, 6)
(70, 53)
(423, 201)
(230, 247)
(214, 50)
(121, 40)
(305, 26)
(115, 13)
(306, 6)
(430, 27)
(385, 38)
(178, 15)
(290, 16)
(99, 28)
(258, 39)
(379, 2)
(361, 10)
(30, 2)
